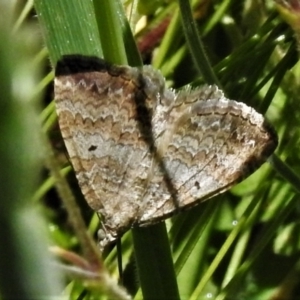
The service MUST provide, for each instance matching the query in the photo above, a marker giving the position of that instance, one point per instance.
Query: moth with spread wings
(141, 151)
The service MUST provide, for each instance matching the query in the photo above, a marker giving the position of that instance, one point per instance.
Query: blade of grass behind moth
(285, 64)
(217, 16)
(113, 23)
(70, 28)
(151, 261)
(195, 44)
(110, 31)
(265, 236)
(206, 220)
(285, 171)
(224, 249)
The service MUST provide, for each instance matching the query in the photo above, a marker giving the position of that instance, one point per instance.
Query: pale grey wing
(97, 116)
(209, 146)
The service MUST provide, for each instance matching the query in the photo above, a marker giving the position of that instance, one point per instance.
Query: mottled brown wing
(141, 152)
(97, 116)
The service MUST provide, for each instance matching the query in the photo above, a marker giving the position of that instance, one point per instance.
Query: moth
(143, 152)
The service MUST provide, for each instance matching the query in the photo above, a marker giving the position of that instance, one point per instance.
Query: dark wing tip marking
(273, 139)
(75, 63)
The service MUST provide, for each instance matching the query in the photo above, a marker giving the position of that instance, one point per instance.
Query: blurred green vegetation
(240, 245)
